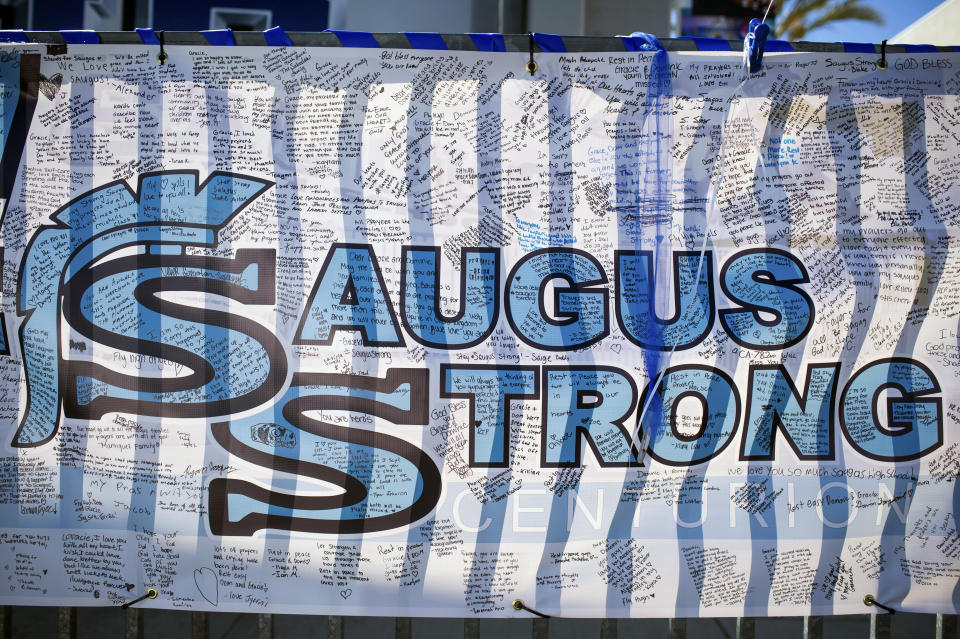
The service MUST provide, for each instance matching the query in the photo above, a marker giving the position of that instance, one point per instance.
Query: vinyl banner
(418, 332)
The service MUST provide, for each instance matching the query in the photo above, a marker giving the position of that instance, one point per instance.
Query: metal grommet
(532, 67)
(518, 603)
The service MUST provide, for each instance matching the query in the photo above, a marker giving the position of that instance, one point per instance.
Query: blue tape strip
(12, 35)
(148, 36)
(362, 39)
(858, 47)
(778, 46)
(550, 43)
(220, 37)
(488, 41)
(80, 36)
(921, 48)
(710, 44)
(425, 40)
(277, 37)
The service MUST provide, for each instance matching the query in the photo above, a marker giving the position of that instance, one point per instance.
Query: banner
(410, 332)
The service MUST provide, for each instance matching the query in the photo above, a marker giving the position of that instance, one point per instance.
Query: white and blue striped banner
(425, 331)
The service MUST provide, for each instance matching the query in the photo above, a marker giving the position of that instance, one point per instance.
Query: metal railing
(945, 626)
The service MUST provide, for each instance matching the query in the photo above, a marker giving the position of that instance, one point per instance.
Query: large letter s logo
(86, 266)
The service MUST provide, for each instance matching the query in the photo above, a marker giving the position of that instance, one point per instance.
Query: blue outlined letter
(579, 316)
(349, 295)
(763, 281)
(806, 421)
(489, 390)
(593, 401)
(692, 299)
(719, 415)
(479, 296)
(912, 427)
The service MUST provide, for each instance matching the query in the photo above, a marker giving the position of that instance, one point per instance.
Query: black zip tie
(519, 605)
(882, 62)
(151, 594)
(531, 68)
(162, 56)
(870, 600)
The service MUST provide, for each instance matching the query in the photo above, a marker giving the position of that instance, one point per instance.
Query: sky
(898, 14)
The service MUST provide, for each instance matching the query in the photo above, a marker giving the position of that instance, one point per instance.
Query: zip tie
(151, 592)
(162, 56)
(519, 605)
(531, 68)
(882, 62)
(870, 600)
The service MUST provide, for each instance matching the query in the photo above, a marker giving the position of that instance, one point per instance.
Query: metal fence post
(946, 626)
(471, 629)
(133, 623)
(265, 626)
(813, 627)
(879, 626)
(745, 627)
(608, 629)
(677, 628)
(66, 623)
(541, 628)
(200, 625)
(404, 628)
(334, 627)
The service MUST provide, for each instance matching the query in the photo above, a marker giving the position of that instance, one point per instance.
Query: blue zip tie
(148, 36)
(12, 35)
(858, 47)
(80, 36)
(640, 41)
(488, 41)
(709, 44)
(550, 43)
(420, 40)
(277, 37)
(220, 37)
(754, 44)
(362, 39)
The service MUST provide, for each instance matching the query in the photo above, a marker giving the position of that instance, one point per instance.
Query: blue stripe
(362, 39)
(148, 36)
(277, 37)
(858, 47)
(12, 35)
(488, 41)
(921, 48)
(425, 40)
(220, 37)
(710, 44)
(778, 46)
(80, 36)
(549, 42)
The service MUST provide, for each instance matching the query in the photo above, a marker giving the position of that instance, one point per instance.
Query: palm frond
(849, 10)
(802, 16)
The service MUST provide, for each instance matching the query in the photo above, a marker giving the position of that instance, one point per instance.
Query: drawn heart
(44, 571)
(50, 86)
(346, 593)
(206, 581)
